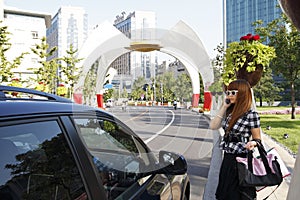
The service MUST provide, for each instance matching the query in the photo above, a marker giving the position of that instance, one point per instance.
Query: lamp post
(153, 93)
(146, 93)
(162, 93)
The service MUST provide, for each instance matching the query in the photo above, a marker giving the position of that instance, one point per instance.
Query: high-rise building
(1, 10)
(69, 26)
(138, 26)
(240, 14)
(26, 28)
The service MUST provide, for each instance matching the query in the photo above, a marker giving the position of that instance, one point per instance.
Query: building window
(34, 60)
(34, 34)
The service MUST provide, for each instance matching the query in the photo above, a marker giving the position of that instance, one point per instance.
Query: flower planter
(252, 77)
(245, 59)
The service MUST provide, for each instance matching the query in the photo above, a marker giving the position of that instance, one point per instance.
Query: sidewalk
(280, 193)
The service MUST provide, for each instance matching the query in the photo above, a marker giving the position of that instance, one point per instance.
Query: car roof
(31, 102)
(29, 93)
(19, 107)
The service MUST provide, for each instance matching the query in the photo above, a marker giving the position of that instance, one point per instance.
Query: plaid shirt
(240, 133)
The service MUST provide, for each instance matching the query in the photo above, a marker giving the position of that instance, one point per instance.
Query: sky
(205, 17)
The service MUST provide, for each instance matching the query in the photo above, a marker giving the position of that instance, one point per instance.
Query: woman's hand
(250, 145)
(226, 102)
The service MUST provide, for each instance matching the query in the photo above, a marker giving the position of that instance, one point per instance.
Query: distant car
(52, 148)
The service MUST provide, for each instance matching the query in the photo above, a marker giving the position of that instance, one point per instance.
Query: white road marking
(162, 130)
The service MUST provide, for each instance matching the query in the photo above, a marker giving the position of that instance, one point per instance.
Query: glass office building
(240, 14)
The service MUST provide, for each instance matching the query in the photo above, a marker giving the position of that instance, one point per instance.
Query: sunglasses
(231, 92)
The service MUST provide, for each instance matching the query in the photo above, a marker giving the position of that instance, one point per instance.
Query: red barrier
(195, 100)
(100, 100)
(207, 101)
(77, 98)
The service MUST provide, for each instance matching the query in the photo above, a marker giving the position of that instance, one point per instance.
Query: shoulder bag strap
(249, 160)
(263, 155)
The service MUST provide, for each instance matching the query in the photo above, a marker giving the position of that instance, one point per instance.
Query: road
(181, 131)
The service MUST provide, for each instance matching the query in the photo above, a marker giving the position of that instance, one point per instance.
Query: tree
(124, 93)
(6, 73)
(149, 92)
(70, 72)
(284, 37)
(266, 89)
(137, 88)
(108, 94)
(183, 87)
(217, 85)
(168, 83)
(89, 88)
(47, 73)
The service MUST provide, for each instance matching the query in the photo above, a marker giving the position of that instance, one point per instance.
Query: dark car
(52, 148)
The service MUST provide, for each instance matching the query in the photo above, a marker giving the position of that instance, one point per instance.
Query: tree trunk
(293, 113)
(260, 100)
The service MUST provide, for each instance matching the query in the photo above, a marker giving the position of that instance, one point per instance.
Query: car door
(123, 162)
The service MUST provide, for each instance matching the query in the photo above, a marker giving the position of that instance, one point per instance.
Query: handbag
(259, 171)
(284, 170)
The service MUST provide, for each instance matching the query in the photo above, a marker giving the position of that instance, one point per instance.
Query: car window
(36, 163)
(119, 157)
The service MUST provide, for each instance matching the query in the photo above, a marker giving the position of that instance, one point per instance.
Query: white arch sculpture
(106, 43)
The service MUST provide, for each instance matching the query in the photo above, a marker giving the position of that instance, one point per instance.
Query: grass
(265, 108)
(281, 124)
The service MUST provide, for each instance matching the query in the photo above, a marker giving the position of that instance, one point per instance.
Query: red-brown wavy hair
(243, 101)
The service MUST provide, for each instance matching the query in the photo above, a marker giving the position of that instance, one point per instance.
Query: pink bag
(284, 170)
(259, 169)
(258, 165)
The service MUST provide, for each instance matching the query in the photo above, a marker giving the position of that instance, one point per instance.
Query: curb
(215, 164)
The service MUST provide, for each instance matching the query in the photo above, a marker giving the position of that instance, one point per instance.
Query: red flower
(246, 37)
(250, 37)
(61, 85)
(243, 38)
(255, 37)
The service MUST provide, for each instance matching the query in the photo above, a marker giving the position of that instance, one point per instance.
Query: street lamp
(162, 93)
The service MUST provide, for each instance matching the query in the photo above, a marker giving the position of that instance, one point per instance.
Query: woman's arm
(255, 136)
(216, 122)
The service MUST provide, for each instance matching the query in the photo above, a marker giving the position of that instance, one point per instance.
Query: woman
(241, 125)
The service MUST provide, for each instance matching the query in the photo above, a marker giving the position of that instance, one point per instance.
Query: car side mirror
(172, 163)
